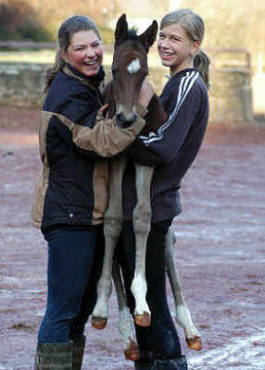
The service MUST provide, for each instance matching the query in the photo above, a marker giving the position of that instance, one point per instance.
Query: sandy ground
(220, 251)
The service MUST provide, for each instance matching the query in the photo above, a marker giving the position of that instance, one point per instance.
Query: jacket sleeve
(163, 147)
(92, 134)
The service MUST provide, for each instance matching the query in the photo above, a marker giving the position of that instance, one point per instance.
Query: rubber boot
(144, 365)
(78, 352)
(179, 363)
(54, 356)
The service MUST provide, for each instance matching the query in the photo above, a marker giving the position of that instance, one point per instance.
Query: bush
(30, 29)
(19, 21)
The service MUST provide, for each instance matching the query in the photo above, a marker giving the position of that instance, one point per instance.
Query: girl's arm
(163, 146)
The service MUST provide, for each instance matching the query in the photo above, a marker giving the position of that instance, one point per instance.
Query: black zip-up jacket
(173, 148)
(74, 138)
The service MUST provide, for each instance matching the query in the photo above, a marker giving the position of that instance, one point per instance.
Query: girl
(71, 194)
(172, 150)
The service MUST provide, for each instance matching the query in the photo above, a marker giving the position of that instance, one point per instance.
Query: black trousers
(160, 340)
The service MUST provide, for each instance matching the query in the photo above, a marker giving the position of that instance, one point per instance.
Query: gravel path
(220, 252)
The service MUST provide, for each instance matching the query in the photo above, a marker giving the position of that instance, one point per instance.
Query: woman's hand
(146, 93)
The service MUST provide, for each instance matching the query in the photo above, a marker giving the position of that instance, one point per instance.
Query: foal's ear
(121, 31)
(149, 36)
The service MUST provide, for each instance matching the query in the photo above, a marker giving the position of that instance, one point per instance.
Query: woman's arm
(163, 146)
(91, 133)
(105, 139)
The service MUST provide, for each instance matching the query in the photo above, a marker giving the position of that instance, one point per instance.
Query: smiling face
(175, 48)
(85, 53)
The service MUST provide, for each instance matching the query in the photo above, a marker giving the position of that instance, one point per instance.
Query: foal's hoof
(132, 352)
(143, 320)
(194, 343)
(99, 322)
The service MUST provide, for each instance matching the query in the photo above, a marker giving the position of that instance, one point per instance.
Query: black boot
(178, 363)
(78, 351)
(172, 364)
(144, 365)
(54, 356)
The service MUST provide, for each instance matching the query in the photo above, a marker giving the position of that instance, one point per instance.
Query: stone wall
(231, 95)
(21, 84)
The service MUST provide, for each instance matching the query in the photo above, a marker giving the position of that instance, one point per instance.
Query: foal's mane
(132, 33)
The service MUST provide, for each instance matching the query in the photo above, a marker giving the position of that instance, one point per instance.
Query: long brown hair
(193, 25)
(70, 26)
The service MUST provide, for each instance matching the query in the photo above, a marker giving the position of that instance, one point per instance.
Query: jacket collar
(93, 82)
(184, 71)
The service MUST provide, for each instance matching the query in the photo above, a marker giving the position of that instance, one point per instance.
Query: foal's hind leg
(131, 350)
(113, 220)
(142, 225)
(183, 316)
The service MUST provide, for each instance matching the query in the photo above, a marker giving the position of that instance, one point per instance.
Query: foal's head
(129, 68)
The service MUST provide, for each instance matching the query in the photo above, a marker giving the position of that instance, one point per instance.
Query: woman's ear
(63, 54)
(195, 47)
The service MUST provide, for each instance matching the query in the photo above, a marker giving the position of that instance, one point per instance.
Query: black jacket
(173, 149)
(75, 141)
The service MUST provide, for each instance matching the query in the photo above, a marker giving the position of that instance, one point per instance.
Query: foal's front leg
(113, 220)
(142, 224)
(183, 316)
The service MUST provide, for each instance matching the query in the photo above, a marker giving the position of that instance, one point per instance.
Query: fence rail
(214, 52)
(20, 45)
(14, 45)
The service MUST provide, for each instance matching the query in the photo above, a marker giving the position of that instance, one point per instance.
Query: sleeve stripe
(185, 86)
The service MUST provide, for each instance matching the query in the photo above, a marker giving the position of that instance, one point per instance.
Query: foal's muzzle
(124, 121)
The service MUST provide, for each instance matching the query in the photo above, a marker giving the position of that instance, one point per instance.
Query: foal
(129, 69)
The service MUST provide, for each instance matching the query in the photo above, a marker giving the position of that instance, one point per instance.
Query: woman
(172, 150)
(71, 194)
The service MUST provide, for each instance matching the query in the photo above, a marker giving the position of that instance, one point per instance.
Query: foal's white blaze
(134, 66)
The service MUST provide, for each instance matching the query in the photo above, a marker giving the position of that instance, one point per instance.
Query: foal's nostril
(125, 121)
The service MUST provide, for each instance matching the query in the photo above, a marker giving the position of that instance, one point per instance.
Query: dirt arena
(220, 251)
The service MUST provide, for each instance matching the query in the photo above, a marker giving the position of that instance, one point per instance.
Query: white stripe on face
(134, 66)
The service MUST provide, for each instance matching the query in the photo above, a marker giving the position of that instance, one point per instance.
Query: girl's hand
(102, 110)
(146, 93)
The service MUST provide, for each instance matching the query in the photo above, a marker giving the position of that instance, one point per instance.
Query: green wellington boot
(78, 352)
(51, 356)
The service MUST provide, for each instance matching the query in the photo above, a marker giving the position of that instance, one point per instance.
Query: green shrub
(30, 29)
(19, 21)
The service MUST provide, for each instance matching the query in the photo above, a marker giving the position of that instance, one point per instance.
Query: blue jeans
(75, 256)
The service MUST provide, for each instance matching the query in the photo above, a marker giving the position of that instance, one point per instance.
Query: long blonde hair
(193, 25)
